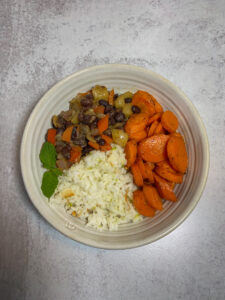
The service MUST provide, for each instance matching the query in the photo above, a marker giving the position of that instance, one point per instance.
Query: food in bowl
(141, 138)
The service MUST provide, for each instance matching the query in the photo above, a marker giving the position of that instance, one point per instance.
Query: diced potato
(127, 109)
(120, 137)
(100, 93)
(120, 101)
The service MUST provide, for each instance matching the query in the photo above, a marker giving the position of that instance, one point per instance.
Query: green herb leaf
(49, 183)
(48, 155)
(57, 172)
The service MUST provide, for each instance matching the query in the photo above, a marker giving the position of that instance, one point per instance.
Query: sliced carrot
(172, 184)
(51, 135)
(141, 166)
(164, 188)
(138, 179)
(136, 122)
(153, 149)
(105, 147)
(106, 138)
(164, 170)
(158, 107)
(159, 129)
(111, 97)
(169, 121)
(177, 153)
(138, 136)
(152, 197)
(103, 124)
(144, 101)
(149, 173)
(99, 109)
(94, 145)
(177, 134)
(150, 165)
(131, 152)
(75, 154)
(155, 117)
(141, 205)
(153, 128)
(66, 136)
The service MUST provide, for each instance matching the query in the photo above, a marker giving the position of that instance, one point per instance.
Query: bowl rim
(182, 217)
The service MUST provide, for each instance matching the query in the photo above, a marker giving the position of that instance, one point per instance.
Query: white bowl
(121, 77)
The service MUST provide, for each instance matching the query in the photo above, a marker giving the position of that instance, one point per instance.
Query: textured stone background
(44, 41)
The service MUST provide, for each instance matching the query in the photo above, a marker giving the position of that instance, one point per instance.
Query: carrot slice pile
(177, 153)
(152, 196)
(138, 179)
(164, 170)
(153, 149)
(169, 121)
(141, 204)
(155, 152)
(131, 152)
(144, 101)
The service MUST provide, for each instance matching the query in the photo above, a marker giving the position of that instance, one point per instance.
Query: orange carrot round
(137, 122)
(155, 117)
(159, 129)
(164, 170)
(149, 173)
(138, 179)
(144, 101)
(177, 153)
(153, 128)
(169, 121)
(141, 166)
(131, 152)
(153, 149)
(141, 205)
(164, 188)
(152, 197)
(138, 136)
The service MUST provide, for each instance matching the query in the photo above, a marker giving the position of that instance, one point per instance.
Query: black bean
(86, 102)
(101, 142)
(119, 116)
(86, 150)
(58, 148)
(74, 134)
(81, 141)
(109, 108)
(128, 100)
(112, 121)
(97, 138)
(103, 102)
(88, 119)
(108, 132)
(66, 152)
(61, 122)
(115, 96)
(135, 109)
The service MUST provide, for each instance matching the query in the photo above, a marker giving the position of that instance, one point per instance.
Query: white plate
(121, 77)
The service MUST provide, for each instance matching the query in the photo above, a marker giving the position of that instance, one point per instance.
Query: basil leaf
(48, 155)
(57, 172)
(49, 183)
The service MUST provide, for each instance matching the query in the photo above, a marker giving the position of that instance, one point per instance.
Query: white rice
(99, 190)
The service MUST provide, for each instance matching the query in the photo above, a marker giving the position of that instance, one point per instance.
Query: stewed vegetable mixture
(156, 154)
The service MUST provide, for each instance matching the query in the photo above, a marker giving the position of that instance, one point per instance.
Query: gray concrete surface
(44, 41)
